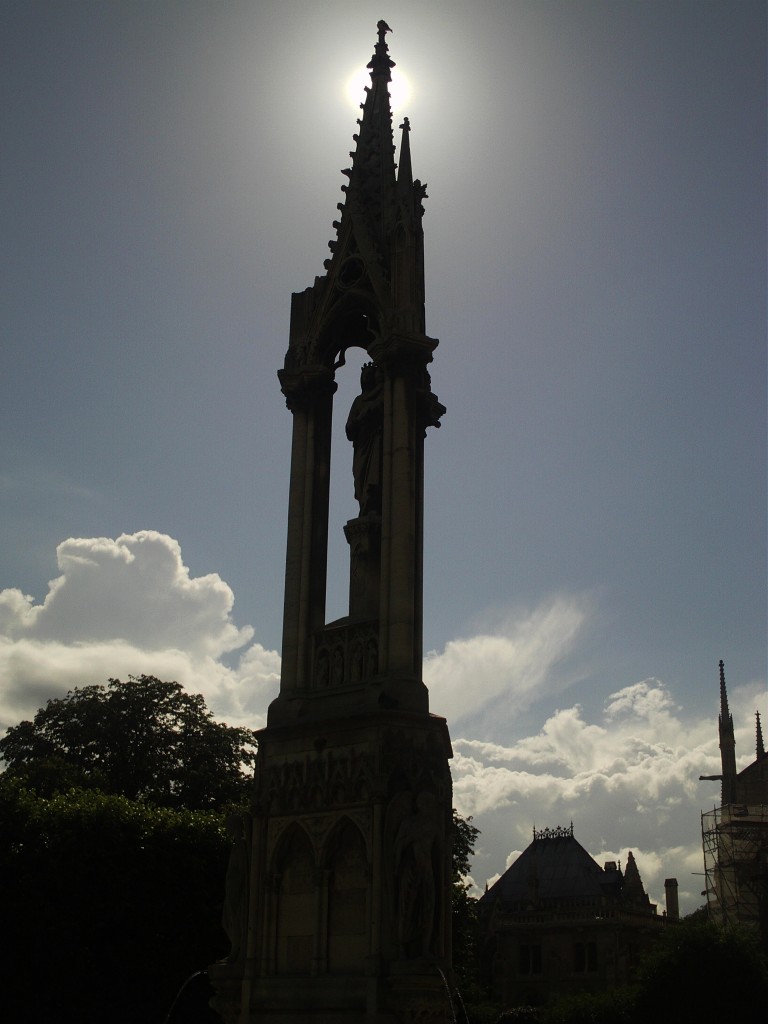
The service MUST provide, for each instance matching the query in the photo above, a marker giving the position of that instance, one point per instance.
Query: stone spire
(760, 746)
(727, 744)
(373, 287)
(370, 194)
(632, 890)
(404, 172)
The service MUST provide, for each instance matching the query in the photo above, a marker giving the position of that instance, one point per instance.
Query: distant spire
(725, 714)
(727, 743)
(760, 744)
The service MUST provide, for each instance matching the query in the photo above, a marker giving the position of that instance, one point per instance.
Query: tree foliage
(144, 739)
(108, 905)
(694, 972)
(464, 920)
(464, 838)
(700, 971)
(464, 904)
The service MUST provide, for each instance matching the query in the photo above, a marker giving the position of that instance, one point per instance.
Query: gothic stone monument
(343, 910)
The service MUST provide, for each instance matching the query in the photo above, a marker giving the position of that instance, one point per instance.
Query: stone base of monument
(349, 852)
(410, 993)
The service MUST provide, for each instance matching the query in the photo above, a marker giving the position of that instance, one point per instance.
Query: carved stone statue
(415, 872)
(364, 430)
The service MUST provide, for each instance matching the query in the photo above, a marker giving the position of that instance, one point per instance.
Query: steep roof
(554, 867)
(632, 890)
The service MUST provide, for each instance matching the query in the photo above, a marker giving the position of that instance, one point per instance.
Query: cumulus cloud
(627, 781)
(519, 656)
(130, 606)
(135, 589)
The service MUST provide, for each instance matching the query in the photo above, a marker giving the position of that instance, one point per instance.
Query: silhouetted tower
(735, 835)
(671, 899)
(349, 844)
(727, 744)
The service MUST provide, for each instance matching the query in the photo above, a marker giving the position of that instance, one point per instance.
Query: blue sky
(596, 266)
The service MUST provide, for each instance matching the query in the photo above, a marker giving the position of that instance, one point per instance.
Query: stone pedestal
(364, 538)
(349, 909)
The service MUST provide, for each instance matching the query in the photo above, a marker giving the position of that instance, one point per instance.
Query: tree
(144, 739)
(464, 924)
(700, 971)
(463, 847)
(464, 906)
(694, 971)
(109, 904)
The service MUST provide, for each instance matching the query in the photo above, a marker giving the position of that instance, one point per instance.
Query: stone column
(310, 399)
(295, 556)
(403, 553)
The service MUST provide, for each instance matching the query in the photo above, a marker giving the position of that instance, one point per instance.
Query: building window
(584, 957)
(529, 959)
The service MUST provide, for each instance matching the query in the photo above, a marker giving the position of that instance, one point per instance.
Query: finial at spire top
(380, 64)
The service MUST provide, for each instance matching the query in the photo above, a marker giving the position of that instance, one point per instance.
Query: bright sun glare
(399, 88)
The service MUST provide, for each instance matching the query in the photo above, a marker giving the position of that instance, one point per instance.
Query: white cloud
(130, 606)
(518, 656)
(135, 589)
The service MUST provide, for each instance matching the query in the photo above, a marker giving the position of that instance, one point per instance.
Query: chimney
(670, 895)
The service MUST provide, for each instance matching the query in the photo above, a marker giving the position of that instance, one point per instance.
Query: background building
(558, 923)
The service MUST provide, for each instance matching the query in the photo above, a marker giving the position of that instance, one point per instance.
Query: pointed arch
(345, 858)
(353, 322)
(295, 873)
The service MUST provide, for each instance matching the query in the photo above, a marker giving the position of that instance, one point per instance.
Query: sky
(595, 506)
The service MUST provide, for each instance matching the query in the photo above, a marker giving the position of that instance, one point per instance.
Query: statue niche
(416, 875)
(347, 899)
(296, 903)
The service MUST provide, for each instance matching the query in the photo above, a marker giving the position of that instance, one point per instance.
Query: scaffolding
(735, 843)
